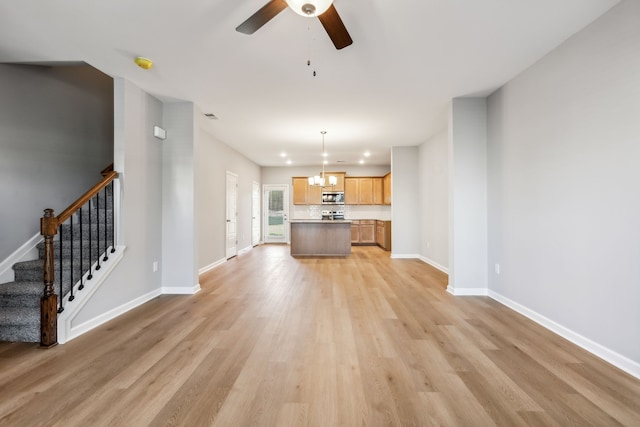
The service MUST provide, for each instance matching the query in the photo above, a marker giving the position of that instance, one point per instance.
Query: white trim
(109, 315)
(462, 292)
(66, 331)
(212, 266)
(26, 252)
(629, 366)
(245, 250)
(433, 264)
(180, 290)
(405, 256)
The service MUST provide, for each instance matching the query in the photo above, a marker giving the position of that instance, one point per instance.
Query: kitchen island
(315, 237)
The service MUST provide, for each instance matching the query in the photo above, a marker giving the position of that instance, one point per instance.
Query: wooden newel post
(49, 301)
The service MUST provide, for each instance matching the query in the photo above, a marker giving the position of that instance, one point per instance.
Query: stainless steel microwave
(333, 197)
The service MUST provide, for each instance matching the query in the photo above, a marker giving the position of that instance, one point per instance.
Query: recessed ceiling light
(325, 162)
(361, 161)
(367, 154)
(324, 154)
(289, 161)
(283, 154)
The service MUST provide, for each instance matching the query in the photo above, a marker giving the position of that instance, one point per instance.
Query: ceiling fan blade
(262, 16)
(335, 28)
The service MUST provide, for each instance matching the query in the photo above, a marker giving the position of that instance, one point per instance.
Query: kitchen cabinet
(371, 232)
(305, 194)
(383, 234)
(363, 232)
(340, 181)
(367, 231)
(378, 194)
(355, 232)
(386, 190)
(358, 191)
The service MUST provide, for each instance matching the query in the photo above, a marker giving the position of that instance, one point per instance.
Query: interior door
(232, 214)
(276, 214)
(255, 214)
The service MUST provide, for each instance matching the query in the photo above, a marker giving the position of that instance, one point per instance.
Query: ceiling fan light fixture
(309, 8)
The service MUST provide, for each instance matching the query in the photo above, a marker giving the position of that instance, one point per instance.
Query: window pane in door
(276, 214)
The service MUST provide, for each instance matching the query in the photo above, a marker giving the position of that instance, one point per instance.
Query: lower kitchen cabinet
(371, 232)
(383, 234)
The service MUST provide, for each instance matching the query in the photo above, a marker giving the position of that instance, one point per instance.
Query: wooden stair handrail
(73, 207)
(49, 225)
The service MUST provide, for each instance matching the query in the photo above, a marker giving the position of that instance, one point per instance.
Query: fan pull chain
(310, 48)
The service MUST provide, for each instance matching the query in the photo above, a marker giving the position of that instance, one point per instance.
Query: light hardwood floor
(277, 341)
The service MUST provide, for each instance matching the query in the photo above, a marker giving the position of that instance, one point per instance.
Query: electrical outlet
(155, 266)
(497, 268)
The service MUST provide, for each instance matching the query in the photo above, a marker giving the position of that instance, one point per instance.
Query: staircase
(76, 249)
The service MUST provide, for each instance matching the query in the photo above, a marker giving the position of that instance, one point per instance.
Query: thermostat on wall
(159, 133)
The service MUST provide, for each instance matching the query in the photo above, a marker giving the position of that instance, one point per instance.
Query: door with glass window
(276, 214)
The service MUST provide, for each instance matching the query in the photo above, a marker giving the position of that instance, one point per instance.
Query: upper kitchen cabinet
(378, 193)
(363, 190)
(339, 178)
(305, 194)
(386, 191)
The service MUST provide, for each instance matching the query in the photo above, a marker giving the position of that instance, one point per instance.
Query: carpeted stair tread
(20, 324)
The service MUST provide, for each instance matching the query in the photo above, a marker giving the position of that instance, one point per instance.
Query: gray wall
(179, 236)
(434, 200)
(468, 195)
(405, 210)
(138, 158)
(213, 160)
(56, 135)
(564, 201)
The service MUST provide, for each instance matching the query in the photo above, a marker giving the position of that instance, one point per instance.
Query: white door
(232, 214)
(276, 214)
(255, 214)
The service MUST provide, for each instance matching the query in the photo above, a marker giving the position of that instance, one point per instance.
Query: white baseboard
(404, 256)
(461, 292)
(629, 366)
(245, 250)
(110, 315)
(212, 266)
(26, 252)
(180, 290)
(434, 264)
(66, 331)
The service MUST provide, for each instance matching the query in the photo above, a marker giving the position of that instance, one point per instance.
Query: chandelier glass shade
(319, 180)
(309, 8)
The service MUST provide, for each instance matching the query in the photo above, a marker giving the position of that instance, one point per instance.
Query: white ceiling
(390, 88)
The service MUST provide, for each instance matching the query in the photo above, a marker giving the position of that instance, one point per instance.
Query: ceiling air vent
(211, 116)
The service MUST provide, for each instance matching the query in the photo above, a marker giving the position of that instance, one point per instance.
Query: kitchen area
(326, 220)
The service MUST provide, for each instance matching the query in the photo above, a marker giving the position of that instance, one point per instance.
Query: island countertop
(316, 237)
(320, 221)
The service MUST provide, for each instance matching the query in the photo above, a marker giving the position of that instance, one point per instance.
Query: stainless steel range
(331, 215)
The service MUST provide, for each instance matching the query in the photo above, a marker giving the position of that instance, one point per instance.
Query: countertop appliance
(332, 214)
(333, 197)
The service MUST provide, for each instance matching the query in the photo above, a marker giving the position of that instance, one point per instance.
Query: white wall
(56, 135)
(434, 200)
(564, 199)
(213, 160)
(138, 159)
(405, 210)
(468, 196)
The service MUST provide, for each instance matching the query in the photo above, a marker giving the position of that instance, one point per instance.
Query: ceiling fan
(323, 9)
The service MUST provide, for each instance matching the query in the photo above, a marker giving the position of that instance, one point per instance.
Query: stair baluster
(51, 225)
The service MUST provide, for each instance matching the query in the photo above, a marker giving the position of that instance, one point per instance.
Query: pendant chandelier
(319, 180)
